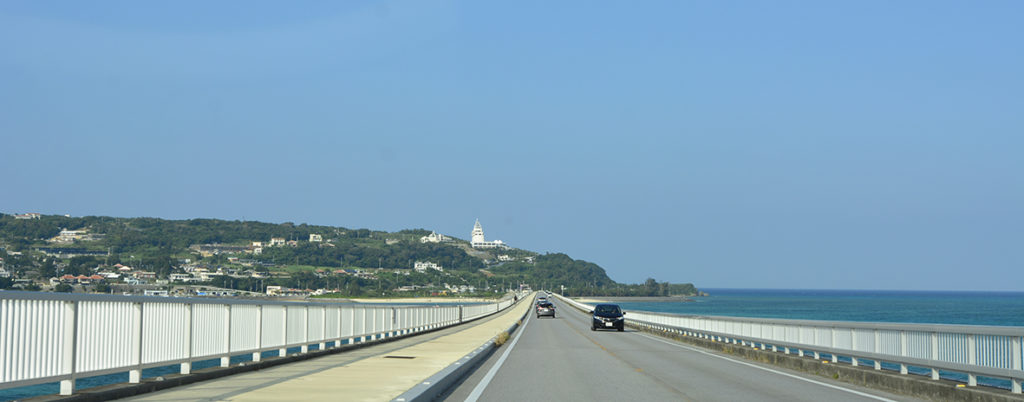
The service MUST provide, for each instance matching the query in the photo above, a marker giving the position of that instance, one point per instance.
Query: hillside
(40, 250)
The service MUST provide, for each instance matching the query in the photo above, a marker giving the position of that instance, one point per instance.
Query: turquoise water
(971, 308)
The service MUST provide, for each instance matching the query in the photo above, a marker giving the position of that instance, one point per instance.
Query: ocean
(931, 307)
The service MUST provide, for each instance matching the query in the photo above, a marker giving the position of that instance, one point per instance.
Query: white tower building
(478, 234)
(477, 238)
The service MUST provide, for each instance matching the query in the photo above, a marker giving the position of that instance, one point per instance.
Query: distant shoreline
(424, 300)
(389, 300)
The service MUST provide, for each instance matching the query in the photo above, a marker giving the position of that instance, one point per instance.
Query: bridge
(336, 351)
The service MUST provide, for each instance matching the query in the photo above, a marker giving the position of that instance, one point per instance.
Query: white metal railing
(49, 337)
(991, 351)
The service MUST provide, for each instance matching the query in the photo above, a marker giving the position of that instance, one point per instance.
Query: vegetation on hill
(352, 262)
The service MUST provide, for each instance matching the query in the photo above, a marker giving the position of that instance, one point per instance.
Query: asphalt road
(561, 359)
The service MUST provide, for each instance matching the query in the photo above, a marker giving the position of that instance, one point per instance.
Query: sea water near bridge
(931, 307)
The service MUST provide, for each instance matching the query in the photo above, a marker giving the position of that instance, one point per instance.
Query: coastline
(422, 300)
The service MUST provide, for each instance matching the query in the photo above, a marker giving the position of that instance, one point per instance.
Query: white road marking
(866, 395)
(473, 396)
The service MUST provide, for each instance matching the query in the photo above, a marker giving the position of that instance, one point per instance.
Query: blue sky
(865, 145)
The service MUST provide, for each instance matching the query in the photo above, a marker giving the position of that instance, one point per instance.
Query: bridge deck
(359, 375)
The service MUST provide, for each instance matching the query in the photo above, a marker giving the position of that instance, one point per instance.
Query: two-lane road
(561, 359)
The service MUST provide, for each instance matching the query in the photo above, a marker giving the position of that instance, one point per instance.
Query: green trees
(101, 287)
(371, 255)
(81, 266)
(555, 270)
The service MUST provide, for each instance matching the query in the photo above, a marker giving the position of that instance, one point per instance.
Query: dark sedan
(607, 316)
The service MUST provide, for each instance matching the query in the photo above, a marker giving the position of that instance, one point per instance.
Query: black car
(607, 316)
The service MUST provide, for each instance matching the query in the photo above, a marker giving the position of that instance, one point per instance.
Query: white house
(315, 238)
(422, 266)
(435, 237)
(68, 236)
(180, 277)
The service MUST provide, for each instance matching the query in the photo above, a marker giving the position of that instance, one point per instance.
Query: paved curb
(437, 384)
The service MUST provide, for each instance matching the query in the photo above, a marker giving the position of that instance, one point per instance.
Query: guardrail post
(460, 314)
(800, 340)
(337, 340)
(226, 359)
(352, 324)
(135, 375)
(284, 333)
(391, 325)
(853, 346)
(70, 341)
(972, 359)
(259, 334)
(903, 351)
(323, 327)
(816, 343)
(878, 348)
(373, 331)
(362, 336)
(935, 354)
(835, 359)
(402, 318)
(1015, 383)
(186, 367)
(305, 330)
